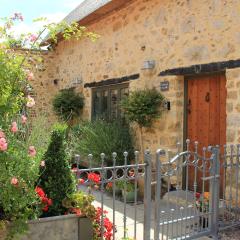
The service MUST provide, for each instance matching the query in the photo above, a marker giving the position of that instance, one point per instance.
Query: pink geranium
(14, 181)
(32, 151)
(24, 119)
(3, 144)
(30, 101)
(14, 127)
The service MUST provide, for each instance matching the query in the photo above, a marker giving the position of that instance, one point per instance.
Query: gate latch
(210, 177)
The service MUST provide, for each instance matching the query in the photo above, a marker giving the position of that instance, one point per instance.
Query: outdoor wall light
(149, 64)
(167, 105)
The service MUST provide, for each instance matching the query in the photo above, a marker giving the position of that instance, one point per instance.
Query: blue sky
(54, 10)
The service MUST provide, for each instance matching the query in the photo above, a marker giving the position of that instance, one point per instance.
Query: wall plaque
(164, 86)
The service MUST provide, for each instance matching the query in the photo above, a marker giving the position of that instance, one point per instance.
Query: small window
(106, 102)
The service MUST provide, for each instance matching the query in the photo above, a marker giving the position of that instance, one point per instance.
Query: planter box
(59, 228)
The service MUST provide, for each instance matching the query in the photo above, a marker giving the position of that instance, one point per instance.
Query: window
(106, 102)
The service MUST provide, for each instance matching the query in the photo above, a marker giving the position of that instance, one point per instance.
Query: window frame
(107, 88)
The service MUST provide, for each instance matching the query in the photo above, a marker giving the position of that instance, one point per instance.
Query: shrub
(68, 104)
(57, 179)
(143, 106)
(102, 137)
(20, 157)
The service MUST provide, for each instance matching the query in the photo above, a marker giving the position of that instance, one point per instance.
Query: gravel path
(230, 234)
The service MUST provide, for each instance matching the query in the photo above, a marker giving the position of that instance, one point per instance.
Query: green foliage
(101, 137)
(81, 201)
(19, 203)
(12, 82)
(68, 104)
(56, 179)
(143, 106)
(121, 184)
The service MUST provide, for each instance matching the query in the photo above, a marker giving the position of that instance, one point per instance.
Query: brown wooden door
(206, 117)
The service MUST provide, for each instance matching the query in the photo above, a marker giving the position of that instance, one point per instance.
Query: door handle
(207, 97)
(189, 106)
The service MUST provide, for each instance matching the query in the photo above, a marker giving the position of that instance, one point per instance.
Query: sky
(54, 10)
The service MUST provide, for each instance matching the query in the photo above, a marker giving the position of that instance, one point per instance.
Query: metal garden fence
(186, 196)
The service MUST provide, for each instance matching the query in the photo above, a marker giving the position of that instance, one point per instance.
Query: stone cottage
(187, 49)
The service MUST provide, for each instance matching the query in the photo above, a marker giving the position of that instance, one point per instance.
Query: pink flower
(30, 101)
(24, 119)
(3, 144)
(32, 151)
(14, 181)
(33, 38)
(42, 164)
(14, 127)
(30, 76)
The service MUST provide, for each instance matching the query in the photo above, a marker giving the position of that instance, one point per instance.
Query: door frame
(185, 113)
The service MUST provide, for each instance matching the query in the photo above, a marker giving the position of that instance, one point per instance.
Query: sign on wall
(164, 86)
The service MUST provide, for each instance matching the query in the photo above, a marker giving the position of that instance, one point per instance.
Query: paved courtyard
(119, 215)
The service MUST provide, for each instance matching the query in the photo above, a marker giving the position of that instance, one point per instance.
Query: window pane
(114, 104)
(96, 104)
(105, 105)
(123, 93)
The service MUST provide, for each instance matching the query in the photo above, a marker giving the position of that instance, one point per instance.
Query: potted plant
(109, 189)
(202, 204)
(127, 189)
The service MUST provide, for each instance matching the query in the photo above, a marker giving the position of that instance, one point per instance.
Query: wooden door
(206, 117)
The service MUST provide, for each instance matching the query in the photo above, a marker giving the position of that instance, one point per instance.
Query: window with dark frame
(106, 102)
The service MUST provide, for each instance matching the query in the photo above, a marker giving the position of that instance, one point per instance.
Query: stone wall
(173, 33)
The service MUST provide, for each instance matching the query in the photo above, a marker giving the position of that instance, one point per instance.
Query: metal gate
(173, 207)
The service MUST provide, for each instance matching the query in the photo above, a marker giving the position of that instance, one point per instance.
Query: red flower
(45, 209)
(94, 177)
(77, 211)
(40, 192)
(198, 195)
(81, 181)
(50, 202)
(44, 199)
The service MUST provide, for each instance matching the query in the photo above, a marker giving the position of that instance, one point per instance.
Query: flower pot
(60, 228)
(130, 196)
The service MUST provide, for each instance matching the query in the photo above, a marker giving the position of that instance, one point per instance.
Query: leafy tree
(143, 107)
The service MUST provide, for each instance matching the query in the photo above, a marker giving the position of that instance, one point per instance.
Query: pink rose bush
(3, 142)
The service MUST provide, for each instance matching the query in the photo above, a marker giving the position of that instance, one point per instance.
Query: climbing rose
(24, 119)
(32, 151)
(33, 38)
(14, 127)
(42, 164)
(3, 144)
(30, 101)
(14, 181)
